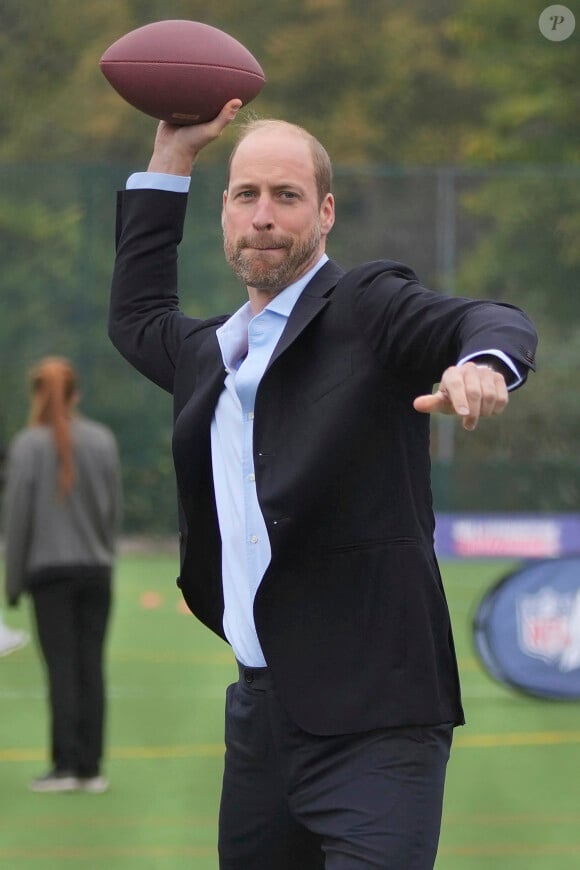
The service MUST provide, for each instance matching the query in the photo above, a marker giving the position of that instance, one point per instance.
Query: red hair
(54, 394)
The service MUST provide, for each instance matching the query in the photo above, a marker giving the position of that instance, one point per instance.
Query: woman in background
(62, 509)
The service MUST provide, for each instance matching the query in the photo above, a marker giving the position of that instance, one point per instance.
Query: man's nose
(263, 217)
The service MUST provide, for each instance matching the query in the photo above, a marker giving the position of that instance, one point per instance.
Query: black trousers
(71, 618)
(296, 801)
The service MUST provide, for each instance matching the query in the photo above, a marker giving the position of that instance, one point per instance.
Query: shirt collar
(284, 302)
(232, 336)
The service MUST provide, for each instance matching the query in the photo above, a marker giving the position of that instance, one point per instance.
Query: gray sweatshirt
(44, 533)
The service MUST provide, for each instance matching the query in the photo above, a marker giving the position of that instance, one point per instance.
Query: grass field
(512, 800)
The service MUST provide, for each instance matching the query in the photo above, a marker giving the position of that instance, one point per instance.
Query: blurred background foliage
(454, 127)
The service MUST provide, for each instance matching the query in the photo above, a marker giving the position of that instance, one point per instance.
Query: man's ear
(224, 200)
(327, 214)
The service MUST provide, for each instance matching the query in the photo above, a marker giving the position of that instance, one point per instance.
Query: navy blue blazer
(351, 612)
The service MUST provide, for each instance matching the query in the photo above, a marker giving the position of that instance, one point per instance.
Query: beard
(254, 267)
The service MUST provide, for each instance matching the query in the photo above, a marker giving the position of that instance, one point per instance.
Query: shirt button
(251, 477)
(250, 415)
(254, 539)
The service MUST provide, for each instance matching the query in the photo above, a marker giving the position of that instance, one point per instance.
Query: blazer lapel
(199, 396)
(199, 403)
(311, 301)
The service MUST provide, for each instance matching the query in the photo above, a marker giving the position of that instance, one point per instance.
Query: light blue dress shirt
(247, 343)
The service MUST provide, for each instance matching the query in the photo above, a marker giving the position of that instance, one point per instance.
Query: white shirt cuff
(508, 361)
(158, 181)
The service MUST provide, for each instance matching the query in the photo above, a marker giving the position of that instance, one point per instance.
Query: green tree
(529, 212)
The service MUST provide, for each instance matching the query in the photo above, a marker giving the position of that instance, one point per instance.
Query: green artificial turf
(511, 801)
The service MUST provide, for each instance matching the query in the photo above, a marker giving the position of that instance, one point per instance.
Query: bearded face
(270, 262)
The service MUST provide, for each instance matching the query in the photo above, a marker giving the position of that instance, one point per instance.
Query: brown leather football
(182, 72)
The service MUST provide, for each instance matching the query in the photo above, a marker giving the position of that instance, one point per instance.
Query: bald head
(321, 165)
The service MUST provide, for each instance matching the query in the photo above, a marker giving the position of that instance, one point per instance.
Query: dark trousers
(295, 801)
(71, 618)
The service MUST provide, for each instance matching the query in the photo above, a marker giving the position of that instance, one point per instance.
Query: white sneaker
(11, 639)
(93, 784)
(55, 781)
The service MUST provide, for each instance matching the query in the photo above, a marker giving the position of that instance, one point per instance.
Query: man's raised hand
(176, 148)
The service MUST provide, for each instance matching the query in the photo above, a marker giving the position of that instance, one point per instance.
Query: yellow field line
(80, 853)
(199, 750)
(210, 821)
(215, 750)
(512, 849)
(84, 853)
(202, 750)
(519, 738)
(191, 822)
(466, 663)
(513, 819)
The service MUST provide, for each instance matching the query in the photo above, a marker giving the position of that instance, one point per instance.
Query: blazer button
(249, 677)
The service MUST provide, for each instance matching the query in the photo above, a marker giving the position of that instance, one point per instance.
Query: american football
(181, 71)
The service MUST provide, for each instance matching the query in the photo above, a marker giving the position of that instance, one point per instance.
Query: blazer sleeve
(17, 516)
(146, 324)
(423, 331)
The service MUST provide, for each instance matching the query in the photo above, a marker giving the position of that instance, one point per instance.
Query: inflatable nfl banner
(527, 629)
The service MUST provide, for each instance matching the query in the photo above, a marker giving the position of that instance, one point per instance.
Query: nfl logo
(527, 629)
(549, 627)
